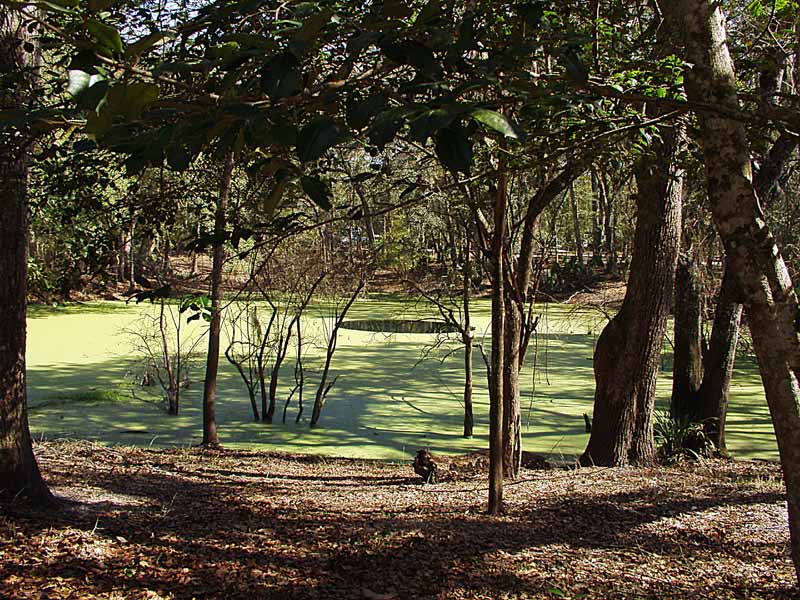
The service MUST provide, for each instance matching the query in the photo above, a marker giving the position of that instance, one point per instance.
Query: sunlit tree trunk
(758, 267)
(628, 352)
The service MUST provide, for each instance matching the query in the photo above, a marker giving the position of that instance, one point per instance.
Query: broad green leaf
(314, 139)
(428, 123)
(98, 5)
(106, 35)
(430, 12)
(146, 43)
(280, 77)
(360, 111)
(271, 200)
(454, 149)
(223, 51)
(90, 98)
(413, 53)
(313, 25)
(61, 6)
(495, 120)
(384, 128)
(318, 190)
(77, 82)
(130, 99)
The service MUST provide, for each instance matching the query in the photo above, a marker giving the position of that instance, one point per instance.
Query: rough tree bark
(687, 369)
(627, 356)
(19, 472)
(760, 272)
(210, 437)
(720, 356)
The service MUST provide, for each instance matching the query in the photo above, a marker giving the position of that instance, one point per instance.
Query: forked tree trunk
(760, 272)
(628, 352)
(210, 437)
(19, 473)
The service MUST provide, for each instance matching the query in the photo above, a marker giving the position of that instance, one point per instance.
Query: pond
(396, 391)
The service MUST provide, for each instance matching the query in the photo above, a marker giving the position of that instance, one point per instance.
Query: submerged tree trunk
(687, 369)
(760, 272)
(210, 437)
(627, 356)
(19, 473)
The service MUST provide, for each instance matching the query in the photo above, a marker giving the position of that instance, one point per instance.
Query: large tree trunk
(628, 352)
(19, 473)
(760, 272)
(687, 369)
(210, 437)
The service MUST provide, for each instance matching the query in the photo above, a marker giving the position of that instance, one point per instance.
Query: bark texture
(687, 370)
(19, 472)
(628, 352)
(758, 267)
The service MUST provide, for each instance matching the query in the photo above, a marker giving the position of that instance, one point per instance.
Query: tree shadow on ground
(196, 525)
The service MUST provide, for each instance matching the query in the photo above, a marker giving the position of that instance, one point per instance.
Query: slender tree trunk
(627, 356)
(714, 390)
(598, 199)
(19, 472)
(498, 348)
(760, 272)
(576, 224)
(323, 388)
(512, 413)
(210, 437)
(609, 227)
(466, 337)
(687, 370)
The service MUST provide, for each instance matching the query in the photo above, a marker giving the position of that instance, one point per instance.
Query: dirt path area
(235, 524)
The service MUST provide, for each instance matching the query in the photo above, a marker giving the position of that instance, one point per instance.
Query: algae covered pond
(394, 393)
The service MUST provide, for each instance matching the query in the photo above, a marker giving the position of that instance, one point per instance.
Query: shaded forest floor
(240, 524)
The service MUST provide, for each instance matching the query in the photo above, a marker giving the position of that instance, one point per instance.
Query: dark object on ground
(425, 466)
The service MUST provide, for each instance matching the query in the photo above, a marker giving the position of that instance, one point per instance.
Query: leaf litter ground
(195, 523)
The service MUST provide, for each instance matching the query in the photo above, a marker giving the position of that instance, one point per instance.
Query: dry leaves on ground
(233, 524)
